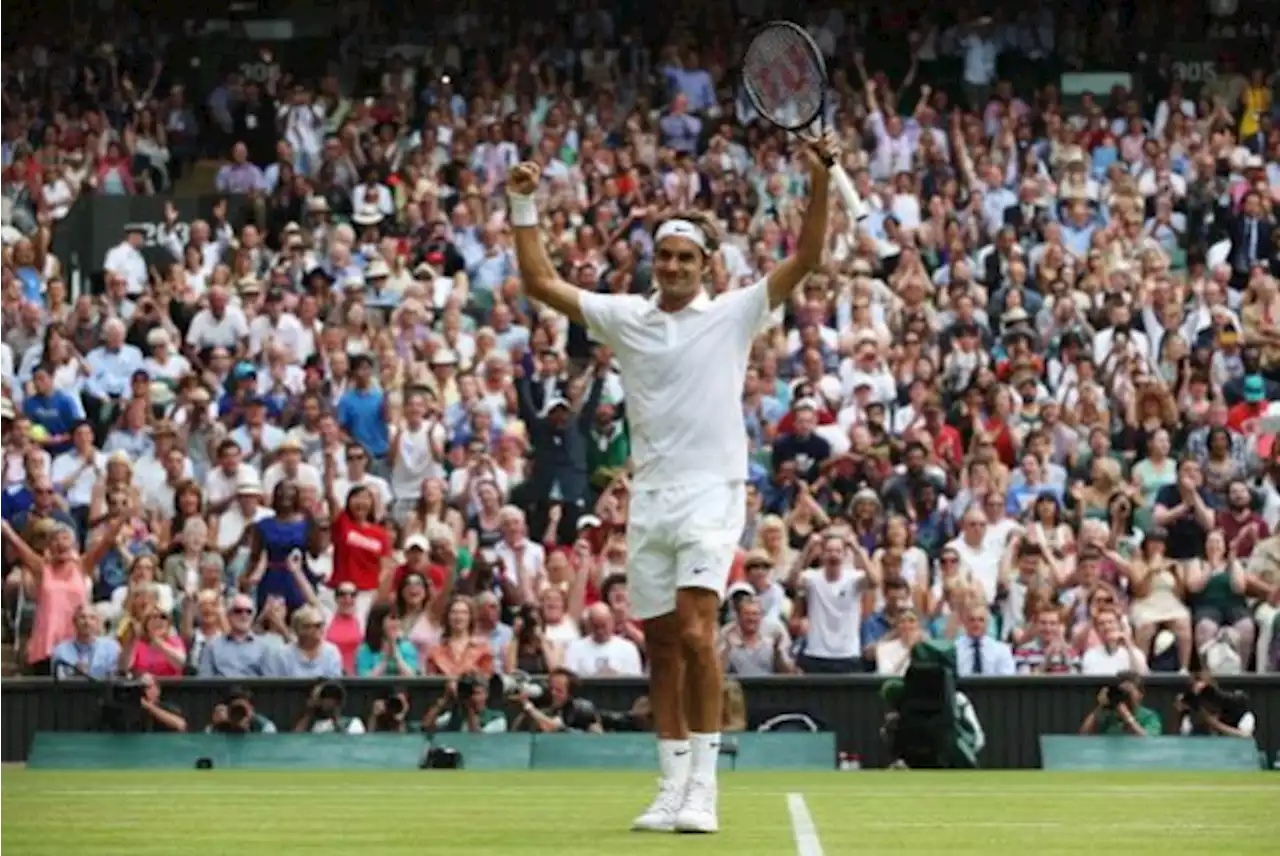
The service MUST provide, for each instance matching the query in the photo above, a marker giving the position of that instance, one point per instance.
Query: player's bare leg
(698, 611)
(667, 697)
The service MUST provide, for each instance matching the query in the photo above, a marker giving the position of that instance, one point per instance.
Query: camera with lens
(331, 695)
(1118, 692)
(238, 713)
(1211, 700)
(393, 707)
(518, 683)
(239, 718)
(121, 706)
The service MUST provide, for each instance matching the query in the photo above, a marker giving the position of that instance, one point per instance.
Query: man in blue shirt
(111, 366)
(238, 653)
(89, 654)
(877, 625)
(52, 409)
(362, 413)
(36, 501)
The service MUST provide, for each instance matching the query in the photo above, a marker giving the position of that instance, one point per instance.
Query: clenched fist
(523, 178)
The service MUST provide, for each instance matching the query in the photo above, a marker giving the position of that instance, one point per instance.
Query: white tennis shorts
(681, 537)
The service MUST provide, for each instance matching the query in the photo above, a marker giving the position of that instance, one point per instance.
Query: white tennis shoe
(698, 814)
(660, 816)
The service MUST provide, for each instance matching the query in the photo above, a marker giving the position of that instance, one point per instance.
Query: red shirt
(149, 658)
(358, 550)
(1242, 418)
(346, 634)
(948, 447)
(1232, 526)
(787, 424)
(1003, 441)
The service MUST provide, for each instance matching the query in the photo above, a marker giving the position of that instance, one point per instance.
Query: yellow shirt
(1256, 101)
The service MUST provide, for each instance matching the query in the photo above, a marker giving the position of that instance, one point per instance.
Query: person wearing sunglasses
(346, 629)
(238, 653)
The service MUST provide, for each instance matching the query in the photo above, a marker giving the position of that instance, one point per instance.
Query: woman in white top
(57, 192)
(57, 350)
(416, 451)
(559, 626)
(164, 364)
(915, 562)
(139, 597)
(893, 652)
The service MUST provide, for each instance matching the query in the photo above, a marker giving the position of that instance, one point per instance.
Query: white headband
(682, 229)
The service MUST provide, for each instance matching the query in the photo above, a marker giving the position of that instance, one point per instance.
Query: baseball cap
(1255, 389)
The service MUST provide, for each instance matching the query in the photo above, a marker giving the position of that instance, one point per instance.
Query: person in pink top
(157, 649)
(346, 630)
(58, 579)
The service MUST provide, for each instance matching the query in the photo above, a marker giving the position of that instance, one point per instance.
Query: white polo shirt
(683, 374)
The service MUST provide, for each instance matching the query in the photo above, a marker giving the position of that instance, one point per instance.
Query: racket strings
(785, 78)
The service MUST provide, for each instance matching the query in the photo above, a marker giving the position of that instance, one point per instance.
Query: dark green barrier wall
(750, 751)
(1165, 752)
(1014, 711)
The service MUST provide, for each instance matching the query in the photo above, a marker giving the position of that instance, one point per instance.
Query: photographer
(389, 712)
(236, 715)
(566, 712)
(324, 712)
(1120, 711)
(1208, 710)
(135, 707)
(464, 707)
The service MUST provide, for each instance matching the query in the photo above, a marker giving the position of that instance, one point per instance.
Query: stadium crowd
(1028, 405)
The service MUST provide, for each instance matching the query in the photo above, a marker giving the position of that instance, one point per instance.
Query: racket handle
(852, 202)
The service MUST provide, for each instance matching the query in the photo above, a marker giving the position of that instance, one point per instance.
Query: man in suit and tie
(1251, 234)
(1024, 216)
(996, 265)
(977, 653)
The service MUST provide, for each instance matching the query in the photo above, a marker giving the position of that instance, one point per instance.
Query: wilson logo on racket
(794, 74)
(784, 77)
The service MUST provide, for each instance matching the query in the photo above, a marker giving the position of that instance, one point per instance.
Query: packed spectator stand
(309, 426)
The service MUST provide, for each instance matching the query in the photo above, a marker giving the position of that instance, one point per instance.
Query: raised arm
(29, 558)
(541, 282)
(813, 231)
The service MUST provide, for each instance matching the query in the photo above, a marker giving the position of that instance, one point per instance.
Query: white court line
(802, 828)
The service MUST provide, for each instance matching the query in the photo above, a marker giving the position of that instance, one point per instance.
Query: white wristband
(522, 210)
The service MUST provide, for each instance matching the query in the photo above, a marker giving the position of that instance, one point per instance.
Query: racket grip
(852, 202)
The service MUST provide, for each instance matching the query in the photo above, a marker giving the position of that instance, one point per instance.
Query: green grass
(279, 813)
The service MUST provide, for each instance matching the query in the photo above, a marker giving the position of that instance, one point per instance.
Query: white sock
(674, 760)
(706, 755)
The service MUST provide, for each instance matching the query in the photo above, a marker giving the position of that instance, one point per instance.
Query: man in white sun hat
(683, 360)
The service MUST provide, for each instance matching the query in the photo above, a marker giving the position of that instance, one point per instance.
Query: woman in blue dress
(279, 552)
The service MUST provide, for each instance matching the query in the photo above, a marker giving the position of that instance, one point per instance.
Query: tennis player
(683, 360)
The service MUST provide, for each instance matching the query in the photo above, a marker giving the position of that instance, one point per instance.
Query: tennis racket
(785, 78)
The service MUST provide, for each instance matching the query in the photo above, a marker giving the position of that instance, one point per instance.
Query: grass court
(216, 812)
